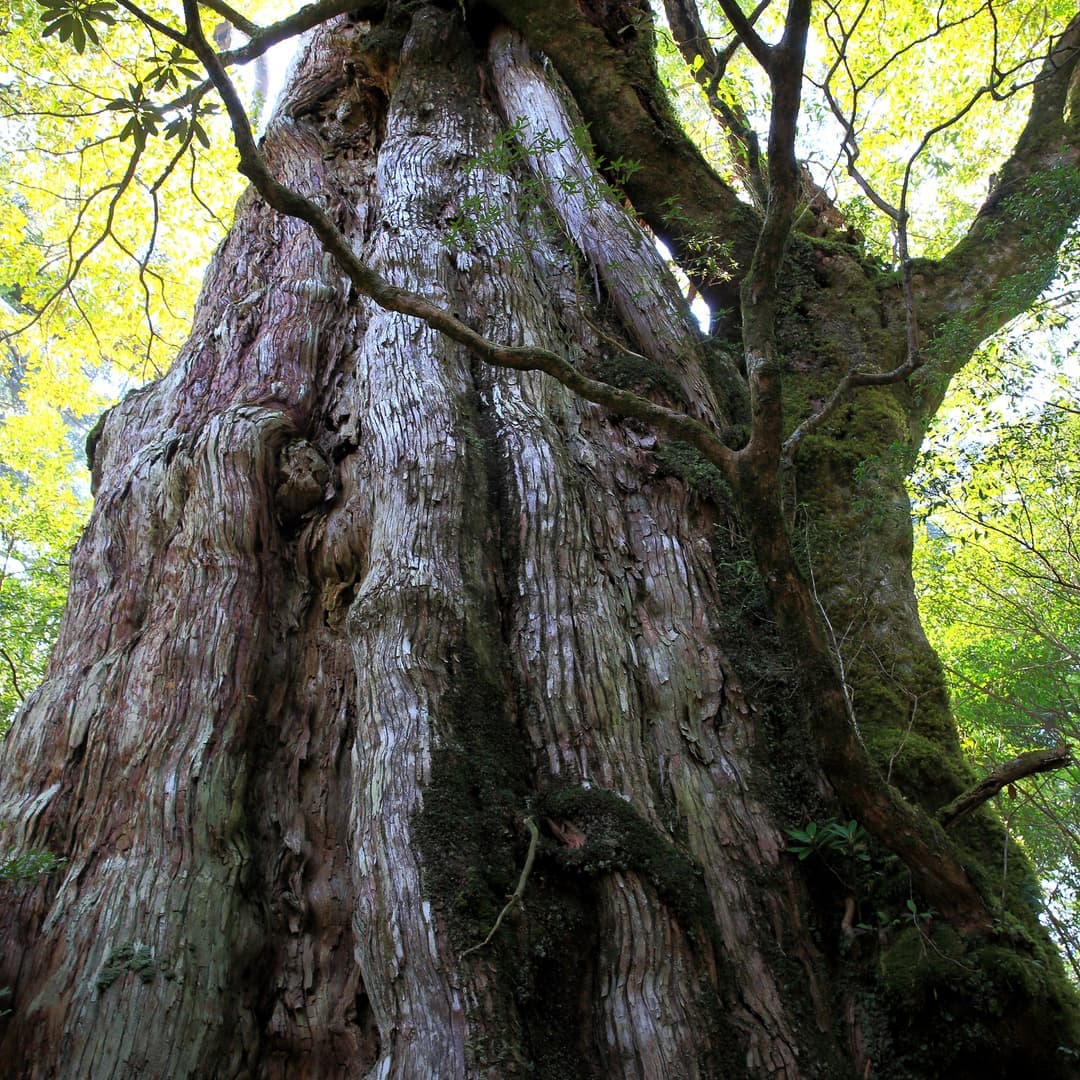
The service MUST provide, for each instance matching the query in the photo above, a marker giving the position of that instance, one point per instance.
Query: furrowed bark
(364, 591)
(684, 201)
(351, 578)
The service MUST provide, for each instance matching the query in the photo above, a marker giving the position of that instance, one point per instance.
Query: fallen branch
(1035, 761)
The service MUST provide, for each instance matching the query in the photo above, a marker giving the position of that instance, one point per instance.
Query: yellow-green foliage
(104, 234)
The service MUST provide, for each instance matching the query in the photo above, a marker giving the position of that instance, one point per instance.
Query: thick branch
(744, 28)
(694, 45)
(230, 14)
(310, 15)
(759, 289)
(1029, 764)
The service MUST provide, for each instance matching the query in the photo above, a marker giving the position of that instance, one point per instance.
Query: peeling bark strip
(364, 590)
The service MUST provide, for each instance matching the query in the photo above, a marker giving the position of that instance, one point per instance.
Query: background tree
(449, 546)
(41, 514)
(997, 570)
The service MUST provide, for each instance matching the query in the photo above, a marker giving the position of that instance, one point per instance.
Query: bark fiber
(352, 606)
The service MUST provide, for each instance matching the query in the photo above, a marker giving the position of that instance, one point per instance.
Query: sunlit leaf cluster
(931, 98)
(998, 565)
(105, 229)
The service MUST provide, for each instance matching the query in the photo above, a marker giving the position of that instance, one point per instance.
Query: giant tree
(462, 637)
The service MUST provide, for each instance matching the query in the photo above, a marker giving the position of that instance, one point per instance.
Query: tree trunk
(353, 606)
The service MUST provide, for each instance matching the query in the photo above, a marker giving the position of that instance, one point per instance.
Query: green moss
(617, 838)
(470, 826)
(918, 766)
(631, 372)
(961, 1005)
(682, 460)
(918, 966)
(124, 958)
(557, 967)
(870, 431)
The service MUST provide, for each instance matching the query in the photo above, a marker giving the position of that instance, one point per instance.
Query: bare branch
(1009, 254)
(14, 673)
(519, 890)
(852, 381)
(744, 28)
(230, 14)
(1035, 761)
(694, 44)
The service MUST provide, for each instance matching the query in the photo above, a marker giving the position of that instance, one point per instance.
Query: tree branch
(1029, 764)
(14, 673)
(759, 288)
(368, 283)
(851, 381)
(230, 14)
(310, 15)
(744, 28)
(1009, 255)
(694, 44)
(519, 891)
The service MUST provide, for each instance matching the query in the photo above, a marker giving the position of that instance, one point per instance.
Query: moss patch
(679, 459)
(138, 959)
(630, 372)
(962, 1006)
(469, 830)
(617, 838)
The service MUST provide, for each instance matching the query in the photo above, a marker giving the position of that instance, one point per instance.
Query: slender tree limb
(14, 673)
(743, 26)
(1029, 764)
(230, 14)
(149, 21)
(519, 891)
(759, 289)
(694, 44)
(1032, 714)
(852, 381)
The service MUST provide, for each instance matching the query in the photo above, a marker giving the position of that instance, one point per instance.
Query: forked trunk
(353, 607)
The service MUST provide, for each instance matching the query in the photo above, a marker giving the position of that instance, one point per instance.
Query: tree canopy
(996, 561)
